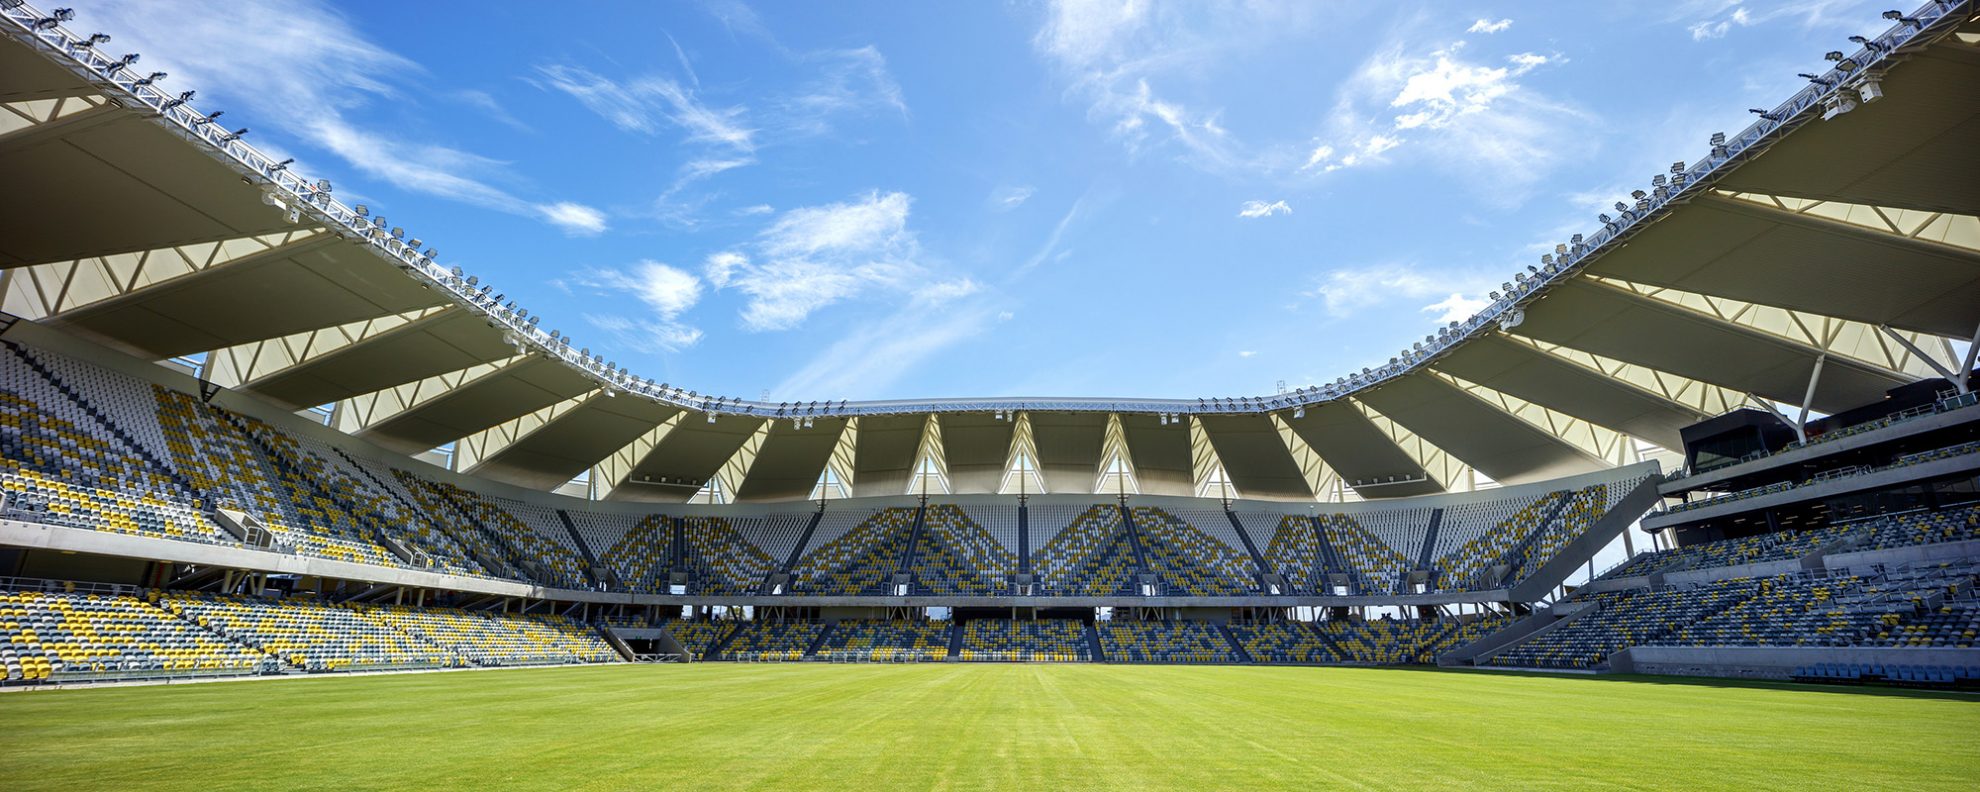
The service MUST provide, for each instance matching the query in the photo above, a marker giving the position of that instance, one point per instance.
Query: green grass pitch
(950, 726)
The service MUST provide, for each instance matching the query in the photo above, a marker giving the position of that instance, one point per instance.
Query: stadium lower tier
(1363, 641)
(1924, 605)
(70, 633)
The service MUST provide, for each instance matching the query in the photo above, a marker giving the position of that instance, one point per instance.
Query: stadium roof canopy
(1819, 257)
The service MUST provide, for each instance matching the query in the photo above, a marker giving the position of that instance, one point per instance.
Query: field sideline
(949, 726)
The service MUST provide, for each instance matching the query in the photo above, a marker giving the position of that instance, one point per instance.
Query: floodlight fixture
(281, 166)
(56, 17)
(94, 39)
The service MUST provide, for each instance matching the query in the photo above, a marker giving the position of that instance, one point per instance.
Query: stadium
(224, 387)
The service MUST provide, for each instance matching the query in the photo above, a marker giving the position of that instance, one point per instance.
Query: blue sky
(879, 200)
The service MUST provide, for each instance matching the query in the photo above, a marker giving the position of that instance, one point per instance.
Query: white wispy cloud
(1489, 26)
(1487, 127)
(1256, 209)
(716, 139)
(1050, 251)
(723, 136)
(946, 291)
(1115, 55)
(248, 57)
(648, 104)
(1718, 28)
(868, 361)
(1456, 308)
(574, 218)
(491, 107)
(812, 257)
(848, 81)
(1344, 292)
(666, 290)
(739, 18)
(1007, 198)
(1083, 32)
(650, 337)
(1706, 20)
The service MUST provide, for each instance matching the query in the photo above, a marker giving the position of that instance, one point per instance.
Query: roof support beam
(1957, 231)
(1116, 473)
(930, 474)
(1958, 378)
(361, 413)
(1966, 364)
(1021, 474)
(476, 450)
(68, 288)
(1445, 471)
(611, 472)
(244, 365)
(23, 122)
(836, 480)
(1700, 397)
(1320, 478)
(1857, 342)
(1208, 477)
(1608, 445)
(735, 470)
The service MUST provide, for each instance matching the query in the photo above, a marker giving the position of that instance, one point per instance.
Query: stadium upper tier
(86, 447)
(1824, 254)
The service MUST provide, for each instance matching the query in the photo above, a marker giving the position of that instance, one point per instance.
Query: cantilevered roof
(1848, 244)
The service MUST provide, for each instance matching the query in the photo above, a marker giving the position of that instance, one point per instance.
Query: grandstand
(307, 448)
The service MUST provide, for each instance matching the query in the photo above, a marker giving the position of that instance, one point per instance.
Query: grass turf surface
(949, 726)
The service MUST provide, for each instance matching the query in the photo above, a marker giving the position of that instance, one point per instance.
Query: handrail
(48, 586)
(299, 196)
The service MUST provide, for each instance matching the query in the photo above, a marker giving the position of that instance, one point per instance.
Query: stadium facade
(251, 429)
